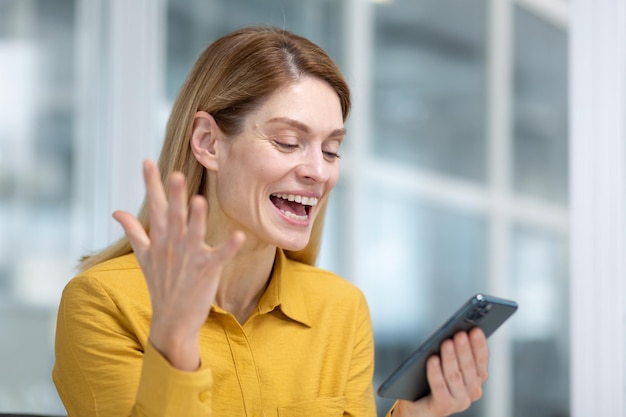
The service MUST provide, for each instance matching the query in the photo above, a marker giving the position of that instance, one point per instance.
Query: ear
(203, 140)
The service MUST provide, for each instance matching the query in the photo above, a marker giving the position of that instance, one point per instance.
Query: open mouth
(295, 207)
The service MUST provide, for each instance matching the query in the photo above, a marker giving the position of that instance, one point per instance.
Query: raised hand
(455, 377)
(182, 271)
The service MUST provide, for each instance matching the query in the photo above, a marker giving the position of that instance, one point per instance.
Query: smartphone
(408, 381)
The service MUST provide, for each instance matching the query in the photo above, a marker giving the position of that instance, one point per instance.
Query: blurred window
(540, 252)
(420, 219)
(436, 215)
(194, 24)
(540, 351)
(429, 86)
(37, 173)
(540, 154)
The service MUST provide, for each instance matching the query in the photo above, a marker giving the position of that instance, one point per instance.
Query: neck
(244, 281)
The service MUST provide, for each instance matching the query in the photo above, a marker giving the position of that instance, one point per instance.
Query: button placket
(245, 367)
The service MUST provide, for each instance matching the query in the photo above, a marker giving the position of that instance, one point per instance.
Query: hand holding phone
(408, 381)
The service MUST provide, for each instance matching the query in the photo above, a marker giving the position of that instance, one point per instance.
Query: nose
(314, 167)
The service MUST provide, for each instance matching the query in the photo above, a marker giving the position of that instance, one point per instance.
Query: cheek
(251, 175)
(333, 178)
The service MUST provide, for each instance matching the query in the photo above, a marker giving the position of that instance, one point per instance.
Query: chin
(292, 244)
(293, 247)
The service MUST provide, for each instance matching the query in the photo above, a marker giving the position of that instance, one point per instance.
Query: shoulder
(325, 289)
(113, 267)
(313, 278)
(116, 278)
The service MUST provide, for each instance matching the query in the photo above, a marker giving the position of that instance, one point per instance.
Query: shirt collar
(284, 292)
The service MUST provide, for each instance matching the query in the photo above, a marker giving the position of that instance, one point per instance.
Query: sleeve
(359, 390)
(101, 368)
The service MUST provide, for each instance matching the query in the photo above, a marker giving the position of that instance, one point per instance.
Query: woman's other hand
(182, 272)
(456, 377)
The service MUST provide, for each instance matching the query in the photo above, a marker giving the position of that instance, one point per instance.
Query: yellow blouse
(307, 350)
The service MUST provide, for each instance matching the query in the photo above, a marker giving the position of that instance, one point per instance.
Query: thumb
(134, 230)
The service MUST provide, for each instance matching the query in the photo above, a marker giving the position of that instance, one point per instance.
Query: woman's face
(272, 177)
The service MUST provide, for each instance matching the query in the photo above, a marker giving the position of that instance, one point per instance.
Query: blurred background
(454, 172)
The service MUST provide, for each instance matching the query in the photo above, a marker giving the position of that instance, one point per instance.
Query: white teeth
(294, 216)
(307, 201)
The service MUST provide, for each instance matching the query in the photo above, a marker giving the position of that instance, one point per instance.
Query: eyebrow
(304, 128)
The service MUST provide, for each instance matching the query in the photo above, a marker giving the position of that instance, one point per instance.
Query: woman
(210, 305)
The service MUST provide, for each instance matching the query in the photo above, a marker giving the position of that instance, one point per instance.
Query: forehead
(309, 101)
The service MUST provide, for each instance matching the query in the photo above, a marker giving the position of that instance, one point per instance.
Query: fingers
(197, 220)
(451, 385)
(173, 223)
(436, 380)
(133, 230)
(177, 207)
(167, 212)
(480, 349)
(197, 231)
(442, 401)
(156, 200)
(457, 374)
(468, 368)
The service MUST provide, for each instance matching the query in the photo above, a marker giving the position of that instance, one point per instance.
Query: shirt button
(204, 396)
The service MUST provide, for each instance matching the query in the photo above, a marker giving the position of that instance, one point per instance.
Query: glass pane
(36, 173)
(541, 327)
(420, 262)
(540, 156)
(429, 88)
(194, 24)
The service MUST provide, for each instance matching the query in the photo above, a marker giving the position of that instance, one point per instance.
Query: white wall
(598, 112)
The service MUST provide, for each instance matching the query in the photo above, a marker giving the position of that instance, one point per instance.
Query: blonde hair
(230, 79)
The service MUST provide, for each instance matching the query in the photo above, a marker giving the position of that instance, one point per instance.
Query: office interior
(457, 172)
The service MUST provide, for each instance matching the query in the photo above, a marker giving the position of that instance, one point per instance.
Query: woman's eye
(286, 145)
(331, 156)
